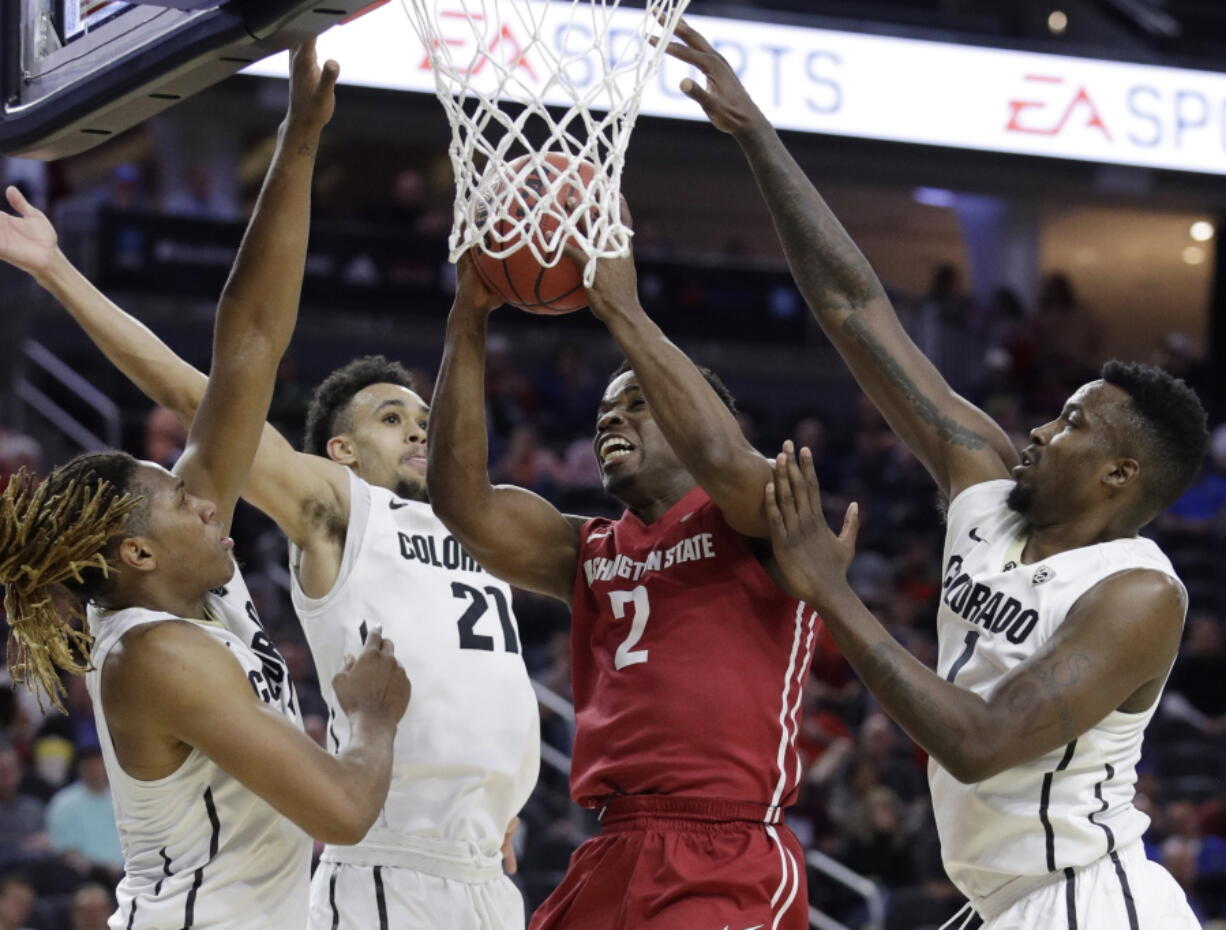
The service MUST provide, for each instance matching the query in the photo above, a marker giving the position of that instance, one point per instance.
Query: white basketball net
(498, 65)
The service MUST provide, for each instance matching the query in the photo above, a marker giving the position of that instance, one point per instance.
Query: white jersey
(467, 752)
(200, 849)
(1073, 806)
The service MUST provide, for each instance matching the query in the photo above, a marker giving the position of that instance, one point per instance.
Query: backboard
(75, 72)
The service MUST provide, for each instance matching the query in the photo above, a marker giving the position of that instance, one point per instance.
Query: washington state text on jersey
(690, 549)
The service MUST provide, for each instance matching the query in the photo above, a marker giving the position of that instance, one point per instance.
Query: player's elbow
(344, 822)
(975, 761)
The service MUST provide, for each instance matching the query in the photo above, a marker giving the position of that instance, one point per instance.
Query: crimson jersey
(688, 663)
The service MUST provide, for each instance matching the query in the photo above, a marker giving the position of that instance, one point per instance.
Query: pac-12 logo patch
(1044, 574)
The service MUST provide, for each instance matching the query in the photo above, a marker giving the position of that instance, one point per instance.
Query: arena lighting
(934, 197)
(1202, 231)
(1194, 255)
(1057, 22)
(831, 82)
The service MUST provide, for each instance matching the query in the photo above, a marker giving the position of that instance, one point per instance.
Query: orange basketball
(521, 280)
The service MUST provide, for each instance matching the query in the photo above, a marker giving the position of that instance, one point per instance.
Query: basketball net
(499, 65)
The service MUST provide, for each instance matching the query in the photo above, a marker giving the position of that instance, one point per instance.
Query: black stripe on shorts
(379, 900)
(1129, 905)
(336, 915)
(1070, 897)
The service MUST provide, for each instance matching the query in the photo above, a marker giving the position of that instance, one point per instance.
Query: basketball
(521, 280)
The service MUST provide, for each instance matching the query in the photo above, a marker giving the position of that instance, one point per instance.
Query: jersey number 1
(626, 653)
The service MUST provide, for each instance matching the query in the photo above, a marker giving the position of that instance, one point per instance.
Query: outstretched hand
(312, 97)
(616, 285)
(28, 240)
(725, 100)
(472, 294)
(812, 560)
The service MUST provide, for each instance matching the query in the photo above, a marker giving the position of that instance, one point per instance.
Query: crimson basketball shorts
(664, 863)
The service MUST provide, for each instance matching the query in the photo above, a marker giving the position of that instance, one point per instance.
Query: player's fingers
(17, 201)
(304, 56)
(774, 518)
(800, 494)
(348, 663)
(331, 74)
(695, 91)
(783, 493)
(374, 641)
(692, 37)
(813, 489)
(387, 647)
(685, 53)
(851, 525)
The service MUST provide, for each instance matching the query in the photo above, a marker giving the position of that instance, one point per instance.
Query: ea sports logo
(1042, 575)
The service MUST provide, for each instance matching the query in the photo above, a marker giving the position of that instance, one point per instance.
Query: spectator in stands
(878, 845)
(22, 836)
(16, 902)
(528, 464)
(18, 450)
(569, 390)
(81, 820)
(195, 196)
(1198, 862)
(1196, 695)
(91, 907)
(165, 437)
(1202, 508)
(52, 761)
(1068, 334)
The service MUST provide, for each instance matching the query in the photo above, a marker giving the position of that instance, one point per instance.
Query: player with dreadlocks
(216, 786)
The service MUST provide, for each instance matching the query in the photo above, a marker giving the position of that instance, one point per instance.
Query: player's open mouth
(227, 543)
(613, 449)
(1027, 461)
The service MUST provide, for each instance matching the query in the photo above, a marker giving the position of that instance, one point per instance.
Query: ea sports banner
(841, 83)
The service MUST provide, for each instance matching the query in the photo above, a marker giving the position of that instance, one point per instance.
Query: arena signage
(877, 87)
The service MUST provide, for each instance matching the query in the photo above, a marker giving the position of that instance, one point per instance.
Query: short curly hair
(1169, 422)
(328, 411)
(716, 382)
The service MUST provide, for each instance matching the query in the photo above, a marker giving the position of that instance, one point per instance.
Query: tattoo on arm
(948, 429)
(1051, 679)
(888, 682)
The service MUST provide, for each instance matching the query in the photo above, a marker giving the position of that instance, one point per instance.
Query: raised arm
(185, 685)
(515, 534)
(1112, 652)
(958, 443)
(281, 479)
(259, 306)
(699, 427)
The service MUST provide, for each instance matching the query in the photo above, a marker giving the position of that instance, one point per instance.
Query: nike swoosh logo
(396, 505)
(600, 535)
(682, 520)
(974, 534)
(754, 927)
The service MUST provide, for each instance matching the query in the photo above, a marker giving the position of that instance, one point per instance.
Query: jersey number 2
(469, 639)
(626, 653)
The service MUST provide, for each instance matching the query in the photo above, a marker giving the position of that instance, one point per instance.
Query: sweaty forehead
(375, 396)
(619, 386)
(1100, 397)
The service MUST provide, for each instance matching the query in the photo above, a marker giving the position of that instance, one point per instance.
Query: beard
(412, 489)
(1020, 499)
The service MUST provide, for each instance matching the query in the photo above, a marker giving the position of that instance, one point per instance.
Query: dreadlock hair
(716, 382)
(1169, 423)
(328, 411)
(57, 539)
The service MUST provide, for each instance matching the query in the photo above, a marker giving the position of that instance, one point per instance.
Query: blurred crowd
(864, 798)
